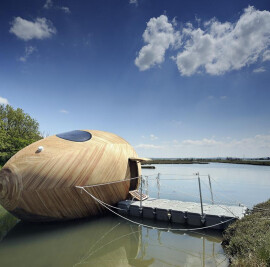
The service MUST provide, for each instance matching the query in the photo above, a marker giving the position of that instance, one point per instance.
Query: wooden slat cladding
(48, 178)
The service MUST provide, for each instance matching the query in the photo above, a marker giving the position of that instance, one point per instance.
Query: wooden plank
(137, 195)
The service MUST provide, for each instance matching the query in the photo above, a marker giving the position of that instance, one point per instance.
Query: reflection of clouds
(108, 241)
(184, 249)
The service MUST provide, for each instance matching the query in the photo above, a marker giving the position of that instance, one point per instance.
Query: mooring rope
(113, 182)
(149, 226)
(89, 251)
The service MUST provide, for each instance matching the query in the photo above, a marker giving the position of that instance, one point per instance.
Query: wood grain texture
(41, 186)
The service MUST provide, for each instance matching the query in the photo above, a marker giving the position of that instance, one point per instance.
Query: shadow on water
(106, 241)
(7, 222)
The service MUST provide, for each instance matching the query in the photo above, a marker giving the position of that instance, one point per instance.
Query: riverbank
(206, 161)
(7, 222)
(247, 241)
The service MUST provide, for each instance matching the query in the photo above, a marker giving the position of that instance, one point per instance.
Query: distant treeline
(255, 161)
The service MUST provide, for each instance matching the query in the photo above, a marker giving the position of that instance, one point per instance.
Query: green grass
(7, 222)
(247, 241)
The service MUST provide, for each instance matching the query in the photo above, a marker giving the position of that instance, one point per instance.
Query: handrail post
(199, 181)
(210, 185)
(141, 195)
(146, 185)
(158, 184)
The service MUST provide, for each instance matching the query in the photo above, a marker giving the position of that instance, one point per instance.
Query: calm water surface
(110, 241)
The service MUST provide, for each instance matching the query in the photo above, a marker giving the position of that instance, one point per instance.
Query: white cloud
(48, 4)
(203, 142)
(222, 47)
(3, 101)
(148, 146)
(153, 137)
(257, 146)
(65, 9)
(266, 55)
(254, 146)
(214, 48)
(26, 30)
(133, 2)
(159, 35)
(64, 111)
(261, 69)
(223, 97)
(28, 51)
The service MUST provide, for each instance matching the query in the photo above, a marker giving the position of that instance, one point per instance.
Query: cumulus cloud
(222, 47)
(29, 50)
(258, 70)
(153, 137)
(64, 111)
(3, 101)
(133, 2)
(254, 146)
(65, 9)
(203, 142)
(159, 35)
(266, 55)
(26, 30)
(214, 47)
(148, 146)
(49, 4)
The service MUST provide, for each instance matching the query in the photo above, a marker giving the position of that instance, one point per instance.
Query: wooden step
(135, 194)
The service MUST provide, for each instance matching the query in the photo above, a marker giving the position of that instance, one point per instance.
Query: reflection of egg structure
(39, 182)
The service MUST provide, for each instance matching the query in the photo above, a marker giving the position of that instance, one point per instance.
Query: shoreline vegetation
(246, 242)
(255, 161)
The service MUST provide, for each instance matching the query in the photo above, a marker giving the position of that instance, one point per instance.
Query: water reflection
(107, 241)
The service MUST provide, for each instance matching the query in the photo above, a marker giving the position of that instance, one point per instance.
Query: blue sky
(174, 78)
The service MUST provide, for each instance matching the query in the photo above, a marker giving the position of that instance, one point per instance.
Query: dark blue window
(76, 136)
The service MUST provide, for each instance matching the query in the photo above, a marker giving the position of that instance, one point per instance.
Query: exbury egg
(39, 183)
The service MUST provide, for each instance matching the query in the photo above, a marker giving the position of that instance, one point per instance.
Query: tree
(17, 130)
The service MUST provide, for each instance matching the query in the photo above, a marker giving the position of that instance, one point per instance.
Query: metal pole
(199, 181)
(203, 252)
(210, 185)
(158, 184)
(146, 185)
(141, 194)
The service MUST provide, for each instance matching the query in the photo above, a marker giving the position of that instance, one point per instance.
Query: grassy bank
(205, 161)
(247, 241)
(7, 222)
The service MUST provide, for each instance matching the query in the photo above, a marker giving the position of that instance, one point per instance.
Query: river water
(111, 241)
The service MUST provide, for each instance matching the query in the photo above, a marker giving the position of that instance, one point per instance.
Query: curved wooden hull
(41, 186)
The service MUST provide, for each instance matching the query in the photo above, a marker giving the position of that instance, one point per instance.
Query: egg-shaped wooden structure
(39, 182)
